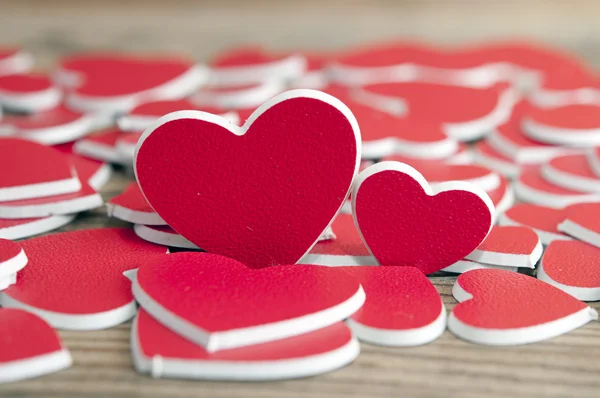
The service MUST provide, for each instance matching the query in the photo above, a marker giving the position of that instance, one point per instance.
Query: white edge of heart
(42, 189)
(7, 280)
(594, 161)
(133, 216)
(462, 266)
(251, 335)
(509, 259)
(332, 260)
(14, 264)
(36, 227)
(568, 180)
(159, 366)
(149, 234)
(418, 177)
(515, 336)
(401, 337)
(35, 366)
(578, 232)
(580, 293)
(97, 321)
(241, 130)
(11, 210)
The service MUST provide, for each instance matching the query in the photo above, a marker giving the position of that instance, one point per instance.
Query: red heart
(346, 249)
(29, 347)
(399, 216)
(142, 116)
(116, 83)
(100, 146)
(499, 307)
(12, 260)
(29, 93)
(533, 188)
(131, 206)
(488, 156)
(581, 222)
(308, 354)
(402, 308)
(55, 126)
(26, 227)
(571, 172)
(32, 170)
(572, 267)
(543, 220)
(279, 180)
(94, 172)
(219, 303)
(14, 61)
(511, 246)
(81, 286)
(572, 125)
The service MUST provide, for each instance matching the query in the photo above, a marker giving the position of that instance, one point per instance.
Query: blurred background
(203, 27)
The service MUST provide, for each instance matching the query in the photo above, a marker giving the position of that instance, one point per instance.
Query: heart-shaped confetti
(543, 220)
(26, 227)
(32, 170)
(14, 61)
(510, 246)
(573, 267)
(29, 93)
(531, 187)
(100, 146)
(571, 172)
(399, 215)
(416, 316)
(213, 310)
(572, 125)
(581, 222)
(281, 157)
(162, 353)
(499, 307)
(131, 206)
(238, 96)
(82, 287)
(488, 156)
(163, 235)
(29, 347)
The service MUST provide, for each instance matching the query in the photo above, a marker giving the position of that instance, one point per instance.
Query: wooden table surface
(567, 366)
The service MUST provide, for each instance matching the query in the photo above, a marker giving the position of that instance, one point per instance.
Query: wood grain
(567, 366)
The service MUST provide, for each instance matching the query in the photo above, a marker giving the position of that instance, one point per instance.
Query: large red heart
(220, 303)
(308, 354)
(500, 307)
(404, 222)
(81, 286)
(29, 347)
(263, 193)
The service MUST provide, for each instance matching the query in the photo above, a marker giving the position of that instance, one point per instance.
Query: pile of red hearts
(321, 216)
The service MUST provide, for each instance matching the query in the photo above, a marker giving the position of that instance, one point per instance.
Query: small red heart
(94, 172)
(14, 61)
(26, 227)
(510, 246)
(29, 347)
(571, 172)
(115, 83)
(531, 187)
(32, 170)
(279, 180)
(81, 286)
(581, 222)
(402, 308)
(100, 146)
(29, 93)
(220, 303)
(488, 156)
(346, 249)
(399, 216)
(573, 267)
(499, 307)
(55, 126)
(12, 260)
(543, 220)
(308, 354)
(571, 125)
(131, 206)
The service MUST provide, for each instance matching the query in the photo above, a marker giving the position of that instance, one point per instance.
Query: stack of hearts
(305, 221)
